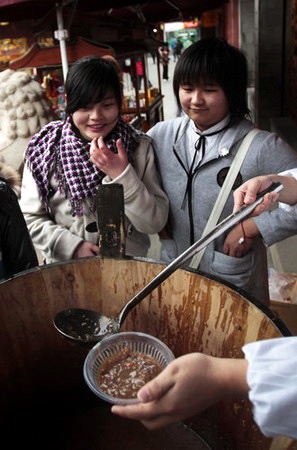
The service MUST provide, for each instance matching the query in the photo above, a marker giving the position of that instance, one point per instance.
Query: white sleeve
(289, 173)
(272, 378)
(292, 209)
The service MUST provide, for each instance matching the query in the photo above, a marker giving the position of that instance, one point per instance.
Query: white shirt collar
(193, 134)
(214, 128)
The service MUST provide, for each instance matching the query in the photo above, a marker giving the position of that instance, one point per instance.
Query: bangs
(213, 61)
(89, 81)
(94, 87)
(198, 72)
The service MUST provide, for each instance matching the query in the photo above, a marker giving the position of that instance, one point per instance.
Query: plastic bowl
(111, 345)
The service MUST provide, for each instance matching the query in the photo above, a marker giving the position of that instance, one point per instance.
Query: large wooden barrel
(44, 400)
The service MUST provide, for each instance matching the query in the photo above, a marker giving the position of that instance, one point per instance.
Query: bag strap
(225, 192)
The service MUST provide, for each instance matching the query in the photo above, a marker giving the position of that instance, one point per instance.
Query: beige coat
(146, 210)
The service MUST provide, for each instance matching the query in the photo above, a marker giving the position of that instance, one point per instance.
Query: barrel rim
(280, 325)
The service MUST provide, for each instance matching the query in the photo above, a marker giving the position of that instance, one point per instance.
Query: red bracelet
(244, 235)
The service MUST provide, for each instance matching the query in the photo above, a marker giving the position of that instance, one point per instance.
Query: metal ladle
(88, 327)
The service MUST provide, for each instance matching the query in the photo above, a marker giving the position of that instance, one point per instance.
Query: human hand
(85, 249)
(247, 192)
(187, 386)
(113, 164)
(232, 245)
(165, 233)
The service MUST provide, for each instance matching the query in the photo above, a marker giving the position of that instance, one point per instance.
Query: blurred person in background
(164, 59)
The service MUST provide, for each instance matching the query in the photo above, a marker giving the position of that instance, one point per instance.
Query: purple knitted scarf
(57, 150)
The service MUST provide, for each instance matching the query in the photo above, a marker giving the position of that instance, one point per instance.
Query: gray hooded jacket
(267, 154)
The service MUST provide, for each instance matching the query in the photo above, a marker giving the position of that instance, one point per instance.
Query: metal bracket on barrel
(110, 220)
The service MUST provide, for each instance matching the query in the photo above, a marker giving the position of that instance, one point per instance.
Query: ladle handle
(223, 226)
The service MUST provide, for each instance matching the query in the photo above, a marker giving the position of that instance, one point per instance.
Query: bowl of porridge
(118, 366)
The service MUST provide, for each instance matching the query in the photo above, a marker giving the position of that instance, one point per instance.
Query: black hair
(88, 81)
(213, 60)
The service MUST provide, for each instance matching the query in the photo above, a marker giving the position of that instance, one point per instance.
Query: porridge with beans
(126, 372)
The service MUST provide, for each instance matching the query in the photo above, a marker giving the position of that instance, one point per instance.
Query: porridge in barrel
(126, 372)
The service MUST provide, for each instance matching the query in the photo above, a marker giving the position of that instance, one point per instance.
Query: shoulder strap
(225, 191)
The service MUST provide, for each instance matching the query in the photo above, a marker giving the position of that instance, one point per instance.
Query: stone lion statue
(24, 109)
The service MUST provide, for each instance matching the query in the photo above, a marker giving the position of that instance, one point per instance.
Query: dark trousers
(139, 80)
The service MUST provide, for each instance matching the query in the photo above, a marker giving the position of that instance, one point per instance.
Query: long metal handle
(223, 226)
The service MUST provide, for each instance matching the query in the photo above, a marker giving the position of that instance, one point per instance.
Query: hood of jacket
(11, 177)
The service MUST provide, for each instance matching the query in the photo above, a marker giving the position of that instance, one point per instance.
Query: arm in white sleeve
(275, 225)
(272, 378)
(290, 173)
(292, 209)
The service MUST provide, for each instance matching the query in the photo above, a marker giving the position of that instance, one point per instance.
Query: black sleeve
(18, 253)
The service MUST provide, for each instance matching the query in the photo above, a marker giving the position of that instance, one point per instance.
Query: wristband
(243, 232)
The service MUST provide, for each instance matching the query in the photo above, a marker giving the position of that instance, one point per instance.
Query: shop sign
(191, 24)
(174, 26)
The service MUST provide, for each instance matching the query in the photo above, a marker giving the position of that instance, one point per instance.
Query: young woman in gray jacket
(194, 153)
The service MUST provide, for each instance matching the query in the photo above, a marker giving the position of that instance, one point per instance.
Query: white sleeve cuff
(291, 209)
(272, 378)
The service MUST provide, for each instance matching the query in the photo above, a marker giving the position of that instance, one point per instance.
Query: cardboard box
(287, 312)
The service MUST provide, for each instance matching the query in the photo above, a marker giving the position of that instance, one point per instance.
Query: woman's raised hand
(113, 164)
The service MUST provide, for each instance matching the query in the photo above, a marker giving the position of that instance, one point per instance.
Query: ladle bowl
(88, 327)
(84, 325)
